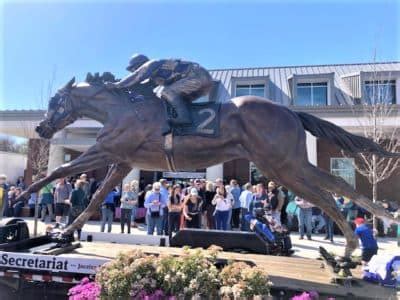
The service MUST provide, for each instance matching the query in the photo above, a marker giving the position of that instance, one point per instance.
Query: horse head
(60, 112)
(64, 107)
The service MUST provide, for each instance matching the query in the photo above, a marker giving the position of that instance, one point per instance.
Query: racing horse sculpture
(270, 135)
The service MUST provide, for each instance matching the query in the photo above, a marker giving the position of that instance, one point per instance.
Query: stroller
(271, 231)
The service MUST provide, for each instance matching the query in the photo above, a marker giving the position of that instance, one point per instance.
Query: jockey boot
(166, 129)
(181, 108)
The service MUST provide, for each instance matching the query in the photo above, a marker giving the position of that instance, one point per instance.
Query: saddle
(205, 120)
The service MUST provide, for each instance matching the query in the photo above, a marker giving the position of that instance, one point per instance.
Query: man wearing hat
(369, 246)
(183, 82)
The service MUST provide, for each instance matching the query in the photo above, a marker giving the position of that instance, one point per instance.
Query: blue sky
(42, 40)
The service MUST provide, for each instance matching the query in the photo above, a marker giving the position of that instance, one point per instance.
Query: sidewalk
(303, 248)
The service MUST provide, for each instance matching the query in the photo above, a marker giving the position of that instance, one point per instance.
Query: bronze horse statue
(268, 134)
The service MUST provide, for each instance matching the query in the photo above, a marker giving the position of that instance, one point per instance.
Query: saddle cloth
(205, 117)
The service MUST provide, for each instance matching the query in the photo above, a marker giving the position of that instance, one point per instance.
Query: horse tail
(345, 140)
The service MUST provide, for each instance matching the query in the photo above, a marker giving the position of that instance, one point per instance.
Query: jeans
(165, 221)
(235, 217)
(31, 209)
(154, 222)
(244, 226)
(305, 215)
(133, 217)
(228, 220)
(194, 222)
(221, 219)
(329, 227)
(174, 220)
(277, 216)
(49, 207)
(126, 215)
(18, 208)
(71, 219)
(210, 217)
(290, 221)
(107, 216)
(321, 223)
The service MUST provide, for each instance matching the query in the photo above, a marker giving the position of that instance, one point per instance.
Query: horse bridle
(68, 113)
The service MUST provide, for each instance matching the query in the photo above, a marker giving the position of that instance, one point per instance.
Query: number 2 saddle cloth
(205, 117)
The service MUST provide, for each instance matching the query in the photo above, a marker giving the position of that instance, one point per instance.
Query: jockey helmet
(136, 61)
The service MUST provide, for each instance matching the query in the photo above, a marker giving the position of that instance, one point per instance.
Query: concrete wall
(13, 165)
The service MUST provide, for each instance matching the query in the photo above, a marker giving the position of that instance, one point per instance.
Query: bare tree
(39, 155)
(8, 144)
(374, 113)
(39, 148)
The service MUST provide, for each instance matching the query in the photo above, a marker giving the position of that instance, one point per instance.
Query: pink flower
(85, 290)
(307, 296)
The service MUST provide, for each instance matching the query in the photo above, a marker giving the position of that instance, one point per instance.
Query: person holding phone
(223, 204)
(128, 202)
(155, 202)
(174, 209)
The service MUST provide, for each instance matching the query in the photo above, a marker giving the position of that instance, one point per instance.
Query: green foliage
(135, 274)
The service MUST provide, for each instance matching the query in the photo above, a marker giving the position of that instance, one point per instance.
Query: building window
(312, 94)
(344, 167)
(380, 91)
(250, 89)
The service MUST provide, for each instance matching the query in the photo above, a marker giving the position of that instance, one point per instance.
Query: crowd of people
(166, 207)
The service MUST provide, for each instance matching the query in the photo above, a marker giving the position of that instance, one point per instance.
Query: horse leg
(324, 200)
(338, 185)
(92, 159)
(115, 174)
(302, 186)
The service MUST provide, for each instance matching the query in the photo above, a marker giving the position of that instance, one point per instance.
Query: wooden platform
(285, 272)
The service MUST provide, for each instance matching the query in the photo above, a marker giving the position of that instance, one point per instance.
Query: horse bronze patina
(270, 135)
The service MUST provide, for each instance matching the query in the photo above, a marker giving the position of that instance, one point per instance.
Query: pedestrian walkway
(303, 248)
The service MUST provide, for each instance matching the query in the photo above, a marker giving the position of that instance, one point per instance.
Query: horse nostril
(38, 129)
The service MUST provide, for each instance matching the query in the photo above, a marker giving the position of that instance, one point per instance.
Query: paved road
(303, 248)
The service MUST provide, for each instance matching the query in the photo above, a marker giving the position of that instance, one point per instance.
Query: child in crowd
(369, 246)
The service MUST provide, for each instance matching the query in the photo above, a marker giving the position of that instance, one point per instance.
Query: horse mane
(138, 92)
(97, 79)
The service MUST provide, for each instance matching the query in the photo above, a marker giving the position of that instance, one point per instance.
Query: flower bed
(136, 275)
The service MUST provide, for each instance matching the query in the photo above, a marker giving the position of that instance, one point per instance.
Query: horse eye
(60, 110)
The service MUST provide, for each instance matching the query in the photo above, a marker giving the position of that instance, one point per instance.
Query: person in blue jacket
(369, 246)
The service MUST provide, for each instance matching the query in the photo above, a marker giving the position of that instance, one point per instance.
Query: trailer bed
(286, 273)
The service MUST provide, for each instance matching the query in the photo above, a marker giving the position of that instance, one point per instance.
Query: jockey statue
(183, 82)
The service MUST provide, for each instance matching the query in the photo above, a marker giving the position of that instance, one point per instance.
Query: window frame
(352, 163)
(313, 85)
(380, 76)
(377, 83)
(327, 78)
(258, 80)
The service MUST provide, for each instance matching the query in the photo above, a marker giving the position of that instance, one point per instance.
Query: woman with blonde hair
(127, 205)
(174, 209)
(134, 188)
(209, 207)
